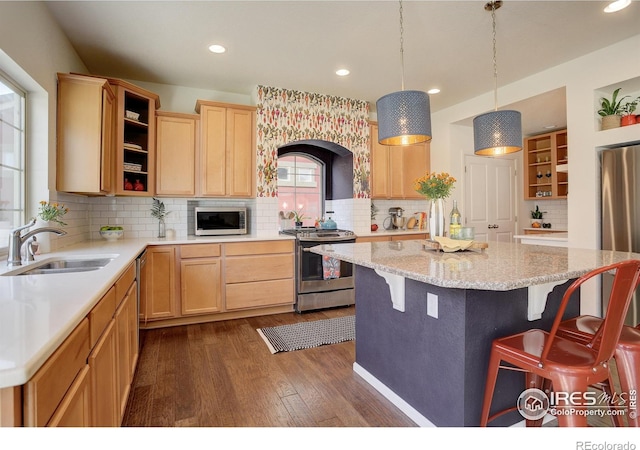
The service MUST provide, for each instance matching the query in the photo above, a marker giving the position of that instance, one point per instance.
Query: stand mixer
(395, 220)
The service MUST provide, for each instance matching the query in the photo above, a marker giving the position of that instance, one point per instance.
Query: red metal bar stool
(570, 366)
(583, 329)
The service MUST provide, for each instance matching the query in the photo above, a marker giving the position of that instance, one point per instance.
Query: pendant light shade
(404, 118)
(497, 133)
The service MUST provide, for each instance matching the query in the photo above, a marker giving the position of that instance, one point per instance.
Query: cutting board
(435, 245)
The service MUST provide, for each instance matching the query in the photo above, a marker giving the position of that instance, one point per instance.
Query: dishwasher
(141, 291)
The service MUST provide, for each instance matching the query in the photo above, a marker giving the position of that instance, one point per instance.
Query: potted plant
(536, 218)
(298, 217)
(627, 111)
(611, 110)
(374, 212)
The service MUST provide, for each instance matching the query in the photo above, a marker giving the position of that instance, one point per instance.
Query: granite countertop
(500, 267)
(382, 232)
(38, 312)
(563, 237)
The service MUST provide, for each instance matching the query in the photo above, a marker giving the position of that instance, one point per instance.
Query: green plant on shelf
(611, 107)
(536, 214)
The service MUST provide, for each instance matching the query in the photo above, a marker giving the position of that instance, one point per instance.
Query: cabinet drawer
(262, 293)
(258, 268)
(75, 408)
(44, 391)
(124, 282)
(258, 248)
(101, 315)
(199, 250)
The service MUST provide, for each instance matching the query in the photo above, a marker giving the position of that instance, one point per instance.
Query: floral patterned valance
(285, 115)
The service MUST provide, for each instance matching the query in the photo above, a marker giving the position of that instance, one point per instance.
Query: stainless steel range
(320, 282)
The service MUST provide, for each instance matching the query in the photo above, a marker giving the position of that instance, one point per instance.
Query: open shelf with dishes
(135, 163)
(545, 166)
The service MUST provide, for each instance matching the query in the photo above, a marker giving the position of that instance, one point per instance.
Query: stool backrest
(626, 278)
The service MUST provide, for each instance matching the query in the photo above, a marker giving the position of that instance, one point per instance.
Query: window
(301, 186)
(12, 170)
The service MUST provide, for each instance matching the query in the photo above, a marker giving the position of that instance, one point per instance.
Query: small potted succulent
(627, 110)
(536, 218)
(298, 217)
(611, 110)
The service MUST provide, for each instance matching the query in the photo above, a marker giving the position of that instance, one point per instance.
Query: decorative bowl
(111, 235)
(132, 115)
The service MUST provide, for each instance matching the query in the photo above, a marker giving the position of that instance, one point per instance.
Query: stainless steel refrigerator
(620, 226)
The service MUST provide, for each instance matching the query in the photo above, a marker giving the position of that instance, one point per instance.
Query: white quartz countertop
(38, 312)
(500, 267)
(563, 237)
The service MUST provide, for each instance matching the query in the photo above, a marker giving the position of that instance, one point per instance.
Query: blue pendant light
(404, 117)
(497, 132)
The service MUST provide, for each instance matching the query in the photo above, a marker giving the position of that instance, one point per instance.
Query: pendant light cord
(495, 59)
(401, 45)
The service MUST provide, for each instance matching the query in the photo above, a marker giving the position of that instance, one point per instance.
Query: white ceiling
(300, 44)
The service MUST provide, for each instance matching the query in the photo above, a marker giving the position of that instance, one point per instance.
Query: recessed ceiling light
(617, 6)
(549, 127)
(342, 72)
(217, 48)
(433, 91)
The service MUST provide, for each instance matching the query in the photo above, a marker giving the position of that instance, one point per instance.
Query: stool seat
(582, 329)
(569, 365)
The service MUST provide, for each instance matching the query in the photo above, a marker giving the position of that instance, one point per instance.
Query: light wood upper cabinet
(85, 134)
(227, 151)
(176, 145)
(135, 165)
(544, 155)
(394, 168)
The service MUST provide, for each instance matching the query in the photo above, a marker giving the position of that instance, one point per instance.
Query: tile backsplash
(87, 214)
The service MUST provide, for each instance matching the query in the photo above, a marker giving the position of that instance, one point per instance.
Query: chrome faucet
(17, 239)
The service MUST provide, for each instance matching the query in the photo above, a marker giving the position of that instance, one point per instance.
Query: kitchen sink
(64, 265)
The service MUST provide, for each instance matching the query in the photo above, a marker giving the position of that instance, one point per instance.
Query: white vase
(436, 217)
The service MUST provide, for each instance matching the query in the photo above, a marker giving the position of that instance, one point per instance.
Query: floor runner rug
(298, 336)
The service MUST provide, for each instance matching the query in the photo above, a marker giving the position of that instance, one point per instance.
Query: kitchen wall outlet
(432, 305)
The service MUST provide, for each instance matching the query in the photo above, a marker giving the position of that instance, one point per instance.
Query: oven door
(311, 273)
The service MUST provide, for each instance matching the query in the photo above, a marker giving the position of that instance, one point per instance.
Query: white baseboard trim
(406, 408)
(387, 393)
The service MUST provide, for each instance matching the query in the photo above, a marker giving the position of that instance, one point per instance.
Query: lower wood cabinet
(259, 274)
(104, 379)
(75, 408)
(217, 281)
(87, 380)
(160, 300)
(45, 391)
(200, 279)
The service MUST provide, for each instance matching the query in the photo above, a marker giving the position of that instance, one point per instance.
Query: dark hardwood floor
(221, 374)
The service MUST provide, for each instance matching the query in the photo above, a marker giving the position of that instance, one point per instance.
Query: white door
(490, 197)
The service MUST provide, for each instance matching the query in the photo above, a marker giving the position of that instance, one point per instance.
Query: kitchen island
(425, 319)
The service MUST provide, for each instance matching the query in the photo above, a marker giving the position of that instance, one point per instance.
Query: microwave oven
(220, 221)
